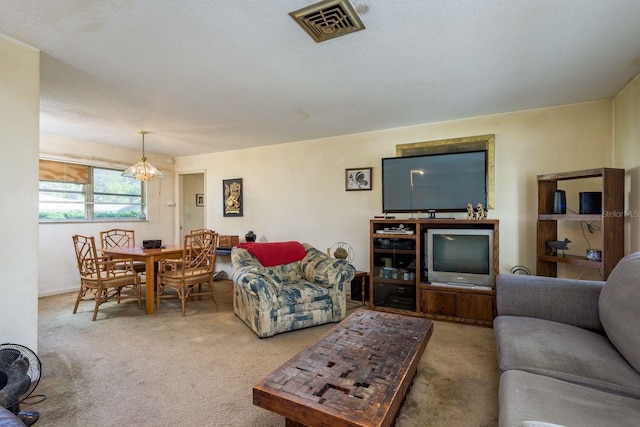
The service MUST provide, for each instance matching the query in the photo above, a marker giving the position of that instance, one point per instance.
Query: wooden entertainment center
(406, 293)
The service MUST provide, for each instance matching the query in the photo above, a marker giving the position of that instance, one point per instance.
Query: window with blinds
(75, 192)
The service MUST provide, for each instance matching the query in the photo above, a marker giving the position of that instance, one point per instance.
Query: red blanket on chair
(275, 253)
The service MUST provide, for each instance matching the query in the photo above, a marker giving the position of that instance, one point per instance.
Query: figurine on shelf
(471, 214)
(480, 212)
(558, 245)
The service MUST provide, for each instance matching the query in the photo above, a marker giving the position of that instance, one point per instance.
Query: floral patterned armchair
(299, 294)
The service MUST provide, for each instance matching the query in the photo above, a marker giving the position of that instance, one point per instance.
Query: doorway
(193, 202)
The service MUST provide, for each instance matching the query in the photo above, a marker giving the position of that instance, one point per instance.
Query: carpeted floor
(129, 369)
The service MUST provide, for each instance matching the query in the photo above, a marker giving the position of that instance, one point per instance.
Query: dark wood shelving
(569, 217)
(471, 306)
(572, 259)
(393, 251)
(394, 236)
(611, 221)
(395, 281)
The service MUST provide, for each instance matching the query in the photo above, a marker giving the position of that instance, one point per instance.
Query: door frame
(179, 204)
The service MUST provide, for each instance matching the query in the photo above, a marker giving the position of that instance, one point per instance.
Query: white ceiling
(212, 75)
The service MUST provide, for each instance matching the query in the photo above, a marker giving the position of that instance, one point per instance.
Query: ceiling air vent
(328, 19)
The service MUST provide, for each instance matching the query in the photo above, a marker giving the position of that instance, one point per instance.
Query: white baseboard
(57, 292)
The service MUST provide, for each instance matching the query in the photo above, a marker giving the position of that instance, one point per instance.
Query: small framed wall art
(357, 179)
(199, 199)
(232, 196)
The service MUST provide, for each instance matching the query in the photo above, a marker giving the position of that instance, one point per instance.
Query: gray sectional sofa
(8, 419)
(569, 350)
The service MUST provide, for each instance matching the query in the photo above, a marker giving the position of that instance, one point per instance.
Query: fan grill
(341, 245)
(22, 367)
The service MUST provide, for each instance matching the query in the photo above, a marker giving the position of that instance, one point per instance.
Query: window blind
(63, 172)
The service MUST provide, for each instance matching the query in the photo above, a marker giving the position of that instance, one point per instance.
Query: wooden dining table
(150, 258)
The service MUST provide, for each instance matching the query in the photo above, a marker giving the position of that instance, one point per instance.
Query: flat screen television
(460, 258)
(434, 183)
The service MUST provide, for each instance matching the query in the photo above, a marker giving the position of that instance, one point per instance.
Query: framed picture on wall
(357, 179)
(232, 196)
(199, 199)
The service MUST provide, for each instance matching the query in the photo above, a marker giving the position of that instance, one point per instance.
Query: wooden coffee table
(357, 374)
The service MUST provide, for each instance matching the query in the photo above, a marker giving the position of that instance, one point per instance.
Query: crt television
(435, 182)
(460, 258)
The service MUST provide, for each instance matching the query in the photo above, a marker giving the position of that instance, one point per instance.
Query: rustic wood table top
(355, 375)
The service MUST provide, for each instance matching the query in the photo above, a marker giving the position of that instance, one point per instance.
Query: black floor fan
(19, 376)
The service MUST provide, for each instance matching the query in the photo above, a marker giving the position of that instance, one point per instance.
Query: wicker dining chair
(199, 230)
(118, 237)
(102, 278)
(190, 275)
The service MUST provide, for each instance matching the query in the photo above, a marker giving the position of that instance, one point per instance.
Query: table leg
(150, 272)
(363, 276)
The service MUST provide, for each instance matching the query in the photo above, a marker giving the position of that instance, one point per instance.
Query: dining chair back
(118, 237)
(102, 278)
(192, 274)
(199, 230)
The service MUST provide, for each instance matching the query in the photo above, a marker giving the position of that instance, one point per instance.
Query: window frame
(89, 197)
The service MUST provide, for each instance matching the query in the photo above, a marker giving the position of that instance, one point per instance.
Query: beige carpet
(129, 369)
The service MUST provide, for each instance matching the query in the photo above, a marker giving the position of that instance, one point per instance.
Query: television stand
(432, 218)
(461, 286)
(399, 283)
(431, 215)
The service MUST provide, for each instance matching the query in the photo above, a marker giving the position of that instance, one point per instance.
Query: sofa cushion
(301, 292)
(619, 308)
(286, 273)
(565, 352)
(528, 399)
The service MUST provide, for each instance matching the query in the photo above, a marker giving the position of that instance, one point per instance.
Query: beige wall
(292, 191)
(56, 247)
(627, 156)
(19, 123)
(296, 191)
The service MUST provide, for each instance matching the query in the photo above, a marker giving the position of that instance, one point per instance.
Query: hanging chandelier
(143, 170)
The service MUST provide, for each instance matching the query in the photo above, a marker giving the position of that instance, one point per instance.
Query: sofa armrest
(260, 286)
(320, 269)
(574, 302)
(9, 419)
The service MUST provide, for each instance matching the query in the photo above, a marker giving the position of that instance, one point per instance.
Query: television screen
(463, 253)
(434, 183)
(460, 257)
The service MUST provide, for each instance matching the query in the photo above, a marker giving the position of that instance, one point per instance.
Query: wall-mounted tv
(434, 183)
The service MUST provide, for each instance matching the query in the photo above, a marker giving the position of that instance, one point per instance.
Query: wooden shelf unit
(417, 296)
(611, 219)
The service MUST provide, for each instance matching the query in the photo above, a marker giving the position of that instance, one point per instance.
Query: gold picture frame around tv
(457, 145)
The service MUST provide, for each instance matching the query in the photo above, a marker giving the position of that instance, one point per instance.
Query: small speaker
(151, 244)
(591, 202)
(560, 202)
